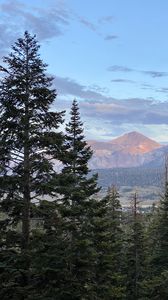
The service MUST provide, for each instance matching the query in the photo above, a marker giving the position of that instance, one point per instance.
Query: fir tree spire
(28, 138)
(75, 159)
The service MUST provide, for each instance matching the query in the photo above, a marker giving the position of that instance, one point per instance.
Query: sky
(110, 55)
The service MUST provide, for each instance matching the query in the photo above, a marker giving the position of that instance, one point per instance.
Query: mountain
(135, 143)
(156, 158)
(129, 150)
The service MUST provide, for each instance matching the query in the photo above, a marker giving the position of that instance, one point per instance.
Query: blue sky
(111, 55)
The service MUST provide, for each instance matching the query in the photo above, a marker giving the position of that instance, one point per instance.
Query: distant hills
(130, 150)
(132, 177)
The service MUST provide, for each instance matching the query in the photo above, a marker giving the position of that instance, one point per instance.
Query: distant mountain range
(130, 150)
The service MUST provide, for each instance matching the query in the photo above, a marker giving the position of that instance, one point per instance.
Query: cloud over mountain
(132, 111)
(96, 104)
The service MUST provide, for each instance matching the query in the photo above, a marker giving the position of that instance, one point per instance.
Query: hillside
(147, 182)
(129, 150)
(137, 176)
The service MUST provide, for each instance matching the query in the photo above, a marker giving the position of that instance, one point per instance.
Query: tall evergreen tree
(51, 275)
(108, 242)
(135, 254)
(156, 284)
(161, 261)
(77, 188)
(28, 142)
(75, 158)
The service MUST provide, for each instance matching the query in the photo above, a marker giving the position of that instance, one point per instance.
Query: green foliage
(135, 254)
(156, 288)
(155, 285)
(74, 246)
(108, 236)
(28, 138)
(76, 189)
(63, 252)
(162, 245)
(74, 183)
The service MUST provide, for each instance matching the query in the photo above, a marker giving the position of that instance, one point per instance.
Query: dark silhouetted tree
(29, 141)
(135, 253)
(108, 242)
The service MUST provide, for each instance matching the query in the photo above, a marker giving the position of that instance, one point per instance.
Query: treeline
(136, 176)
(76, 246)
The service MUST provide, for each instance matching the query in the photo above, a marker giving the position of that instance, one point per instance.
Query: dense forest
(75, 246)
(135, 176)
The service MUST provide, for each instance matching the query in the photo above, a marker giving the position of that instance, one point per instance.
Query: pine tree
(135, 254)
(29, 141)
(51, 275)
(77, 188)
(75, 158)
(108, 241)
(155, 286)
(162, 245)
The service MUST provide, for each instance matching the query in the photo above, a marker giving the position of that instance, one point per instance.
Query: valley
(133, 163)
(148, 183)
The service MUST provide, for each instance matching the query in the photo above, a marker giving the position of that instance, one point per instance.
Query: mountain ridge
(128, 150)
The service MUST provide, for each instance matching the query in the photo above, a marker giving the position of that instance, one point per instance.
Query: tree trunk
(26, 176)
